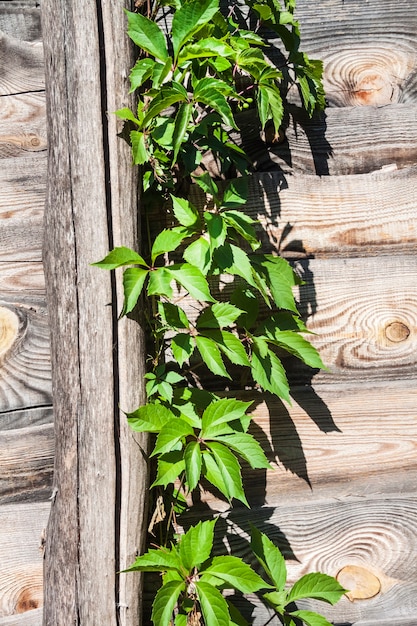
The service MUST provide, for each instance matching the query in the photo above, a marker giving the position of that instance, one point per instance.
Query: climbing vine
(219, 307)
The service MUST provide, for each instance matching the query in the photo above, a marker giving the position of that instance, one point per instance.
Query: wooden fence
(341, 199)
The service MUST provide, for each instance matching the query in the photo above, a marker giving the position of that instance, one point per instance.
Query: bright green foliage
(191, 82)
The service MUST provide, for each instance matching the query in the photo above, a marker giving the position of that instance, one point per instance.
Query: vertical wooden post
(98, 505)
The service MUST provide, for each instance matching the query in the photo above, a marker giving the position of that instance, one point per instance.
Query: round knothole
(360, 582)
(9, 329)
(397, 332)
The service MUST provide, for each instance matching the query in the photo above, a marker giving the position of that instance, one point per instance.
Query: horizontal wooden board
(333, 441)
(374, 534)
(22, 532)
(358, 215)
(22, 199)
(368, 51)
(21, 277)
(30, 618)
(25, 378)
(21, 66)
(21, 418)
(22, 125)
(26, 462)
(21, 19)
(349, 140)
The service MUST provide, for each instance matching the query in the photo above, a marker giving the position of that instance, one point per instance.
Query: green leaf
(196, 544)
(213, 605)
(140, 154)
(317, 585)
(216, 229)
(161, 560)
(126, 114)
(222, 412)
(147, 35)
(166, 97)
(193, 461)
(170, 466)
(172, 315)
(150, 418)
(182, 347)
(211, 355)
(192, 280)
(269, 557)
(207, 184)
(246, 447)
(120, 256)
(165, 602)
(243, 225)
(182, 120)
(198, 254)
(141, 71)
(189, 19)
(311, 618)
(217, 101)
(230, 471)
(295, 344)
(230, 345)
(280, 278)
(133, 281)
(160, 283)
(236, 574)
(267, 370)
(205, 48)
(218, 315)
(171, 433)
(184, 211)
(278, 601)
(236, 193)
(212, 472)
(168, 240)
(235, 261)
(246, 300)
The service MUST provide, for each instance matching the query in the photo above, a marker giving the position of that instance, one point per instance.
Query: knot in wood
(9, 329)
(397, 332)
(360, 582)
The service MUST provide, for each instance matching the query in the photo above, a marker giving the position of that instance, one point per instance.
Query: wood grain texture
(359, 215)
(91, 480)
(24, 353)
(21, 66)
(348, 140)
(22, 528)
(329, 535)
(26, 461)
(22, 199)
(21, 277)
(334, 441)
(21, 418)
(30, 618)
(22, 125)
(369, 52)
(21, 19)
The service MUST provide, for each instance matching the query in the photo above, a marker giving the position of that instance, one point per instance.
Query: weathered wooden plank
(334, 441)
(30, 618)
(82, 584)
(21, 66)
(374, 534)
(22, 125)
(351, 140)
(21, 418)
(357, 215)
(24, 354)
(368, 51)
(21, 277)
(26, 461)
(22, 528)
(21, 19)
(22, 198)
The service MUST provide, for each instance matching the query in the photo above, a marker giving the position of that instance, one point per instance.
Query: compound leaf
(165, 601)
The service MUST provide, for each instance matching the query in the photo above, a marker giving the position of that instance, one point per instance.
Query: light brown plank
(30, 618)
(21, 66)
(357, 215)
(21, 277)
(22, 125)
(351, 140)
(26, 464)
(24, 354)
(21, 19)
(22, 528)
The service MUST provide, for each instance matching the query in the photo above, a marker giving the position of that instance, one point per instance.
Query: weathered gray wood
(22, 528)
(88, 539)
(21, 418)
(25, 379)
(21, 66)
(22, 125)
(21, 19)
(26, 461)
(22, 198)
(348, 140)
